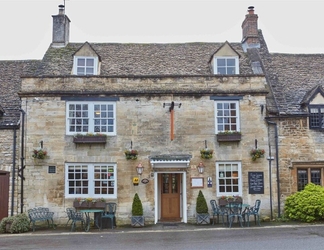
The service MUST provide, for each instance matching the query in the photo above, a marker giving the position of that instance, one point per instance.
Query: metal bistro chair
(218, 211)
(235, 210)
(253, 211)
(74, 217)
(110, 212)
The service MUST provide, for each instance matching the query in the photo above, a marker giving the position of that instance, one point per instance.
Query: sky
(288, 26)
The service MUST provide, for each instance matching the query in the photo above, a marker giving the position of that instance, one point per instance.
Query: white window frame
(226, 67)
(227, 126)
(91, 117)
(94, 67)
(220, 166)
(111, 179)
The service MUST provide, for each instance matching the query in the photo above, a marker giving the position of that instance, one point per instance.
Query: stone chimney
(61, 28)
(250, 37)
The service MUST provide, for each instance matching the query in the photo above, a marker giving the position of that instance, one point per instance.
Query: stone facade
(141, 119)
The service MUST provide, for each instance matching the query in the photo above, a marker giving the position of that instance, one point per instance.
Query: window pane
(316, 176)
(228, 178)
(221, 62)
(81, 62)
(302, 179)
(231, 62)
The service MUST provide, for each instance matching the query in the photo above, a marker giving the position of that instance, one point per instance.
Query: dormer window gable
(86, 61)
(314, 99)
(225, 61)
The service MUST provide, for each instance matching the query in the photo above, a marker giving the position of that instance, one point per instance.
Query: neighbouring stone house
(10, 115)
(168, 102)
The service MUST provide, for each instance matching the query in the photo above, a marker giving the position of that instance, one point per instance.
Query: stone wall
(142, 119)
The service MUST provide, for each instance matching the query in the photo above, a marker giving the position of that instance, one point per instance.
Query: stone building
(169, 102)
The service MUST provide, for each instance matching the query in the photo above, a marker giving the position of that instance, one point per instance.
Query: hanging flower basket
(206, 153)
(39, 154)
(131, 154)
(257, 153)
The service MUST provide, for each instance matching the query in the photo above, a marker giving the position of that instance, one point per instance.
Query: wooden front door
(4, 194)
(170, 196)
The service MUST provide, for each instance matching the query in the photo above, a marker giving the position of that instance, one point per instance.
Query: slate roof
(292, 78)
(185, 59)
(10, 82)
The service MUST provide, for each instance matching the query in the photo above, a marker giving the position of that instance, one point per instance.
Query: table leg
(87, 222)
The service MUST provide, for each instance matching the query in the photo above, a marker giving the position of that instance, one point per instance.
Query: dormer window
(85, 65)
(226, 65)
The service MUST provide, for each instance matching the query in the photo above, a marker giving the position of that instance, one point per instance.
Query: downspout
(13, 170)
(277, 163)
(22, 158)
(270, 159)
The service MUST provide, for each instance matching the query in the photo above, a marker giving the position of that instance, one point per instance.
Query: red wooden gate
(4, 193)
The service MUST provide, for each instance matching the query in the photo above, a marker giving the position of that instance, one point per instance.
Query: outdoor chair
(253, 211)
(110, 212)
(235, 211)
(218, 211)
(74, 217)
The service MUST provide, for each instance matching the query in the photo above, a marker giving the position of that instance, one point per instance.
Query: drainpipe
(22, 158)
(13, 170)
(277, 163)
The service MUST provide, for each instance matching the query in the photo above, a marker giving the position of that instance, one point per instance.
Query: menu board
(256, 183)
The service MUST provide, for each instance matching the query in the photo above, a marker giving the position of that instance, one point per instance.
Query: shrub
(137, 207)
(201, 204)
(306, 205)
(19, 224)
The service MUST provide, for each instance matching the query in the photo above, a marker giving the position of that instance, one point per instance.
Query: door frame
(183, 196)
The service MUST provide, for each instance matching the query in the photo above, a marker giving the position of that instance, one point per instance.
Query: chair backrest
(235, 208)
(256, 207)
(110, 208)
(213, 205)
(69, 212)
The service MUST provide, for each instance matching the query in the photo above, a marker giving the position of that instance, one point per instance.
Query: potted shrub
(228, 135)
(137, 219)
(202, 209)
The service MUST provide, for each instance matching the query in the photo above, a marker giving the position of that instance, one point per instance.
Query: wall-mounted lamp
(139, 169)
(201, 168)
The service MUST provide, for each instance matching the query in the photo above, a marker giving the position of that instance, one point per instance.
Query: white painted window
(226, 65)
(229, 178)
(91, 117)
(227, 116)
(85, 65)
(90, 180)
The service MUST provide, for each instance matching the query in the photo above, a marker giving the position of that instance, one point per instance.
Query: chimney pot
(251, 10)
(61, 9)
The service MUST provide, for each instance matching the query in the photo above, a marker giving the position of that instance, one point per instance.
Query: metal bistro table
(88, 219)
(244, 207)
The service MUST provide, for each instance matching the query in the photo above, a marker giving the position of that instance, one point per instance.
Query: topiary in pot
(202, 209)
(137, 212)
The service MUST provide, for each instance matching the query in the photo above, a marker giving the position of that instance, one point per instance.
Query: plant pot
(203, 219)
(229, 137)
(222, 202)
(90, 139)
(137, 221)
